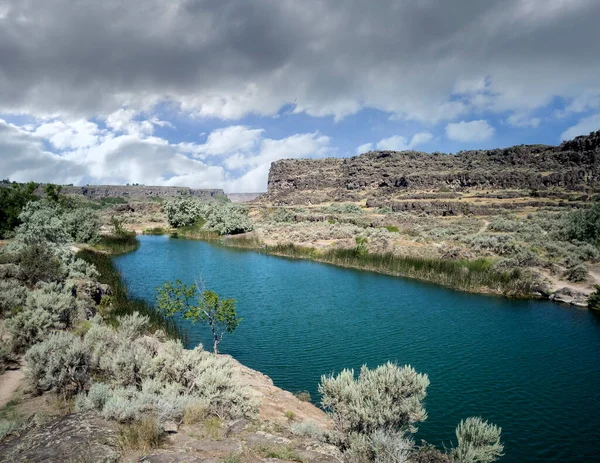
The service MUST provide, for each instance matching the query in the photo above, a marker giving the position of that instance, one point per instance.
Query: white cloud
(583, 127)
(239, 156)
(400, 143)
(229, 140)
(364, 148)
(69, 135)
(474, 131)
(232, 58)
(523, 120)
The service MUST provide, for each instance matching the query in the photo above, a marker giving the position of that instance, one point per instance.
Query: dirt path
(10, 382)
(557, 283)
(483, 228)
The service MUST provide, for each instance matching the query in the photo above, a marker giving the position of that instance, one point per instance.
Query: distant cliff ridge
(574, 165)
(137, 191)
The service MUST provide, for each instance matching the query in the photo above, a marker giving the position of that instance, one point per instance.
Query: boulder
(570, 296)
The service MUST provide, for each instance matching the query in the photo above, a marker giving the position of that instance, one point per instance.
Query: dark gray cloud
(227, 58)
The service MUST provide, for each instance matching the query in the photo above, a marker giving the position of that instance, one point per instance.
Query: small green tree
(13, 200)
(53, 193)
(594, 299)
(199, 305)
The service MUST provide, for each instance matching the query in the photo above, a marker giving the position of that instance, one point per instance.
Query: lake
(531, 367)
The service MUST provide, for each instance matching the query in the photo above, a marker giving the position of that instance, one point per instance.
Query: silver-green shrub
(12, 296)
(379, 447)
(183, 210)
(388, 397)
(225, 219)
(41, 222)
(60, 363)
(7, 427)
(478, 442)
(343, 208)
(307, 429)
(82, 225)
(52, 298)
(30, 326)
(146, 373)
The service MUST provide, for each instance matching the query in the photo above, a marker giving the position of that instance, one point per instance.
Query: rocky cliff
(136, 191)
(572, 166)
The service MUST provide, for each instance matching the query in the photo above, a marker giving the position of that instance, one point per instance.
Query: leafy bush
(60, 363)
(478, 442)
(39, 263)
(228, 219)
(375, 414)
(584, 225)
(147, 375)
(379, 447)
(577, 273)
(7, 427)
(394, 399)
(12, 296)
(12, 202)
(223, 218)
(594, 299)
(31, 326)
(57, 222)
(182, 211)
(304, 429)
(361, 249)
(56, 301)
(343, 208)
(41, 222)
(282, 215)
(82, 224)
(304, 396)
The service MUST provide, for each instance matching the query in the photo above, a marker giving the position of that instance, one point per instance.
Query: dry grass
(140, 436)
(194, 414)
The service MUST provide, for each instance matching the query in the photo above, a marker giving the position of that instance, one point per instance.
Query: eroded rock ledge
(572, 166)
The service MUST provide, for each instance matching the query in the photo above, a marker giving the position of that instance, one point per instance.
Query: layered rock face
(574, 166)
(137, 191)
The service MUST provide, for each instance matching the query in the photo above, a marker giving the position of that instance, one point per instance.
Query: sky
(207, 93)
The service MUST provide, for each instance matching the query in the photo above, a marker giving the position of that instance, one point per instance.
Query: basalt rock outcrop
(139, 192)
(572, 166)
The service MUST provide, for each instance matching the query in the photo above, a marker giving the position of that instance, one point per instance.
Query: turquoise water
(531, 367)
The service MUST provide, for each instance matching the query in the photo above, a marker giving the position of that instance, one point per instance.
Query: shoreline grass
(475, 276)
(117, 244)
(156, 231)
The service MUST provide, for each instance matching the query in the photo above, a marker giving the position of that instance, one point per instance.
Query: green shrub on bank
(223, 218)
(13, 200)
(375, 414)
(478, 441)
(577, 273)
(343, 208)
(12, 296)
(594, 299)
(39, 263)
(394, 393)
(31, 326)
(146, 375)
(60, 363)
(52, 222)
(584, 225)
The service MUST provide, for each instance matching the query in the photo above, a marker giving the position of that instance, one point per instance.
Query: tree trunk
(216, 343)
